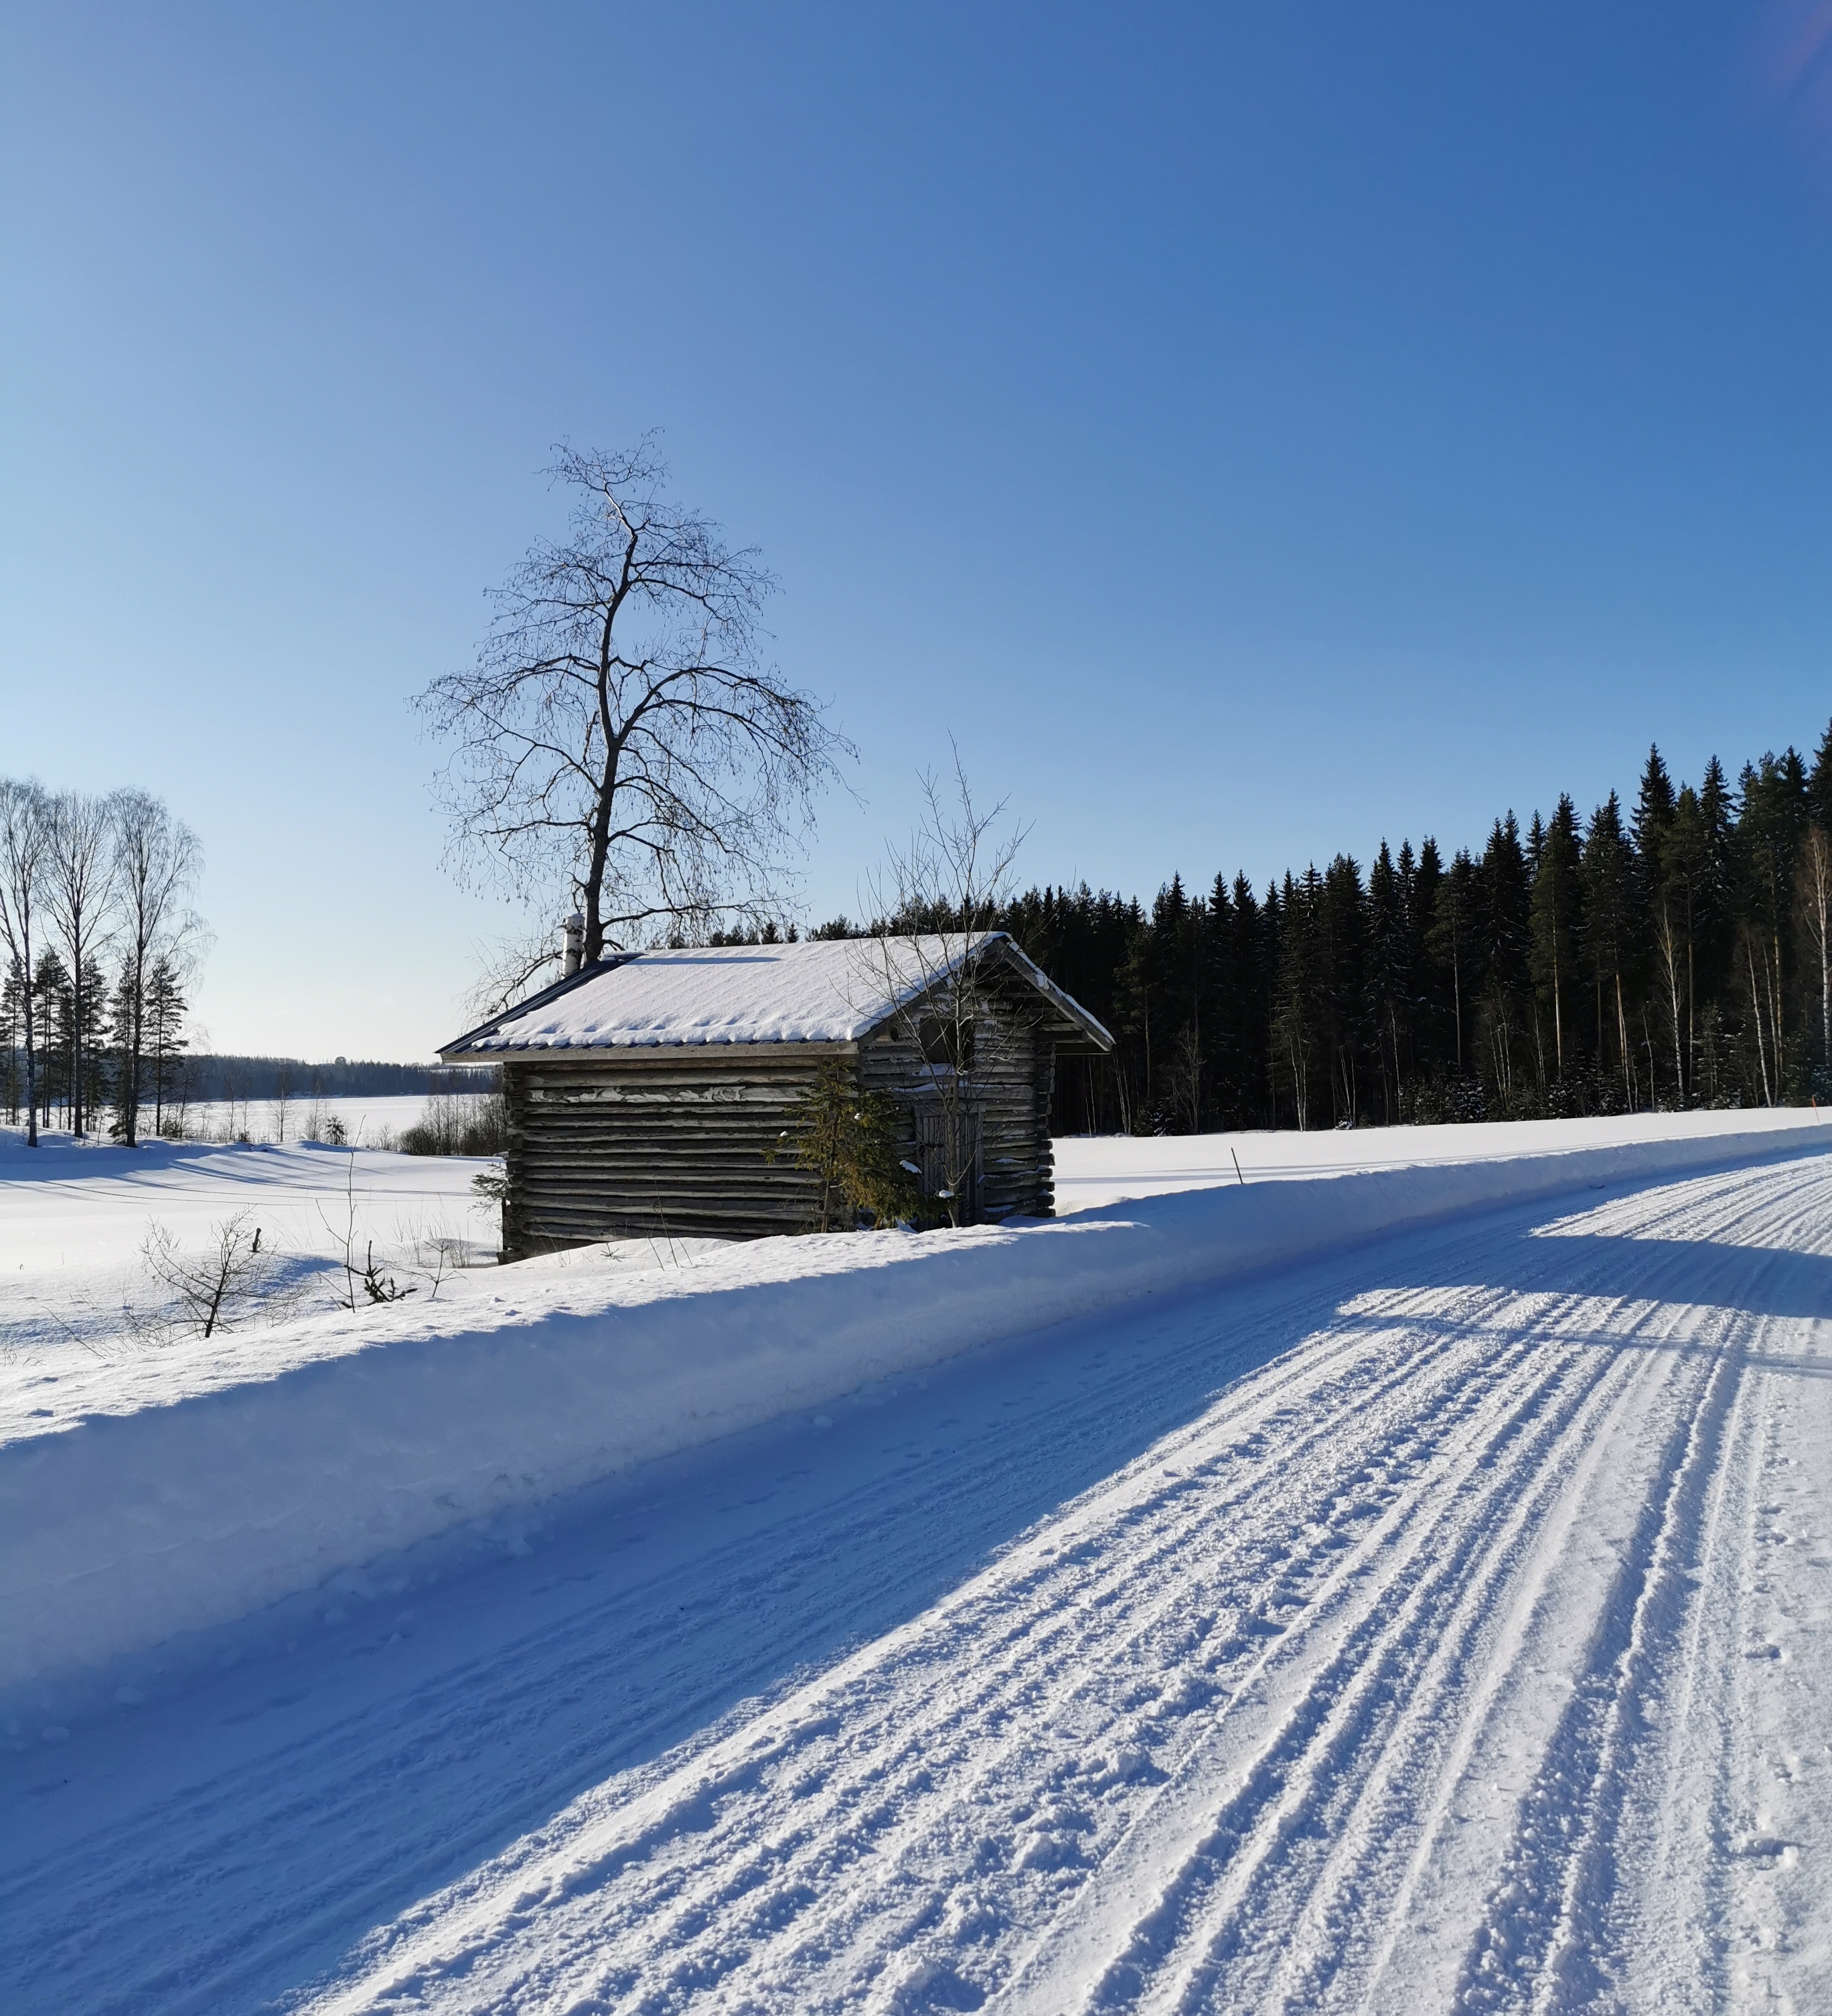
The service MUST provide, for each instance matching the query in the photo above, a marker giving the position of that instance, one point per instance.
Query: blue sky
(1249, 432)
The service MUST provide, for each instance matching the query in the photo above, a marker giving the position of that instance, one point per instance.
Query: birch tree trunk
(1756, 1003)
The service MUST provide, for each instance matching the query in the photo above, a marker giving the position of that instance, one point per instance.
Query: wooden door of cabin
(942, 1160)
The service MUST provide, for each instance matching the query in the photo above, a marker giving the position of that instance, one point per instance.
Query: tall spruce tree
(1813, 880)
(1680, 907)
(1771, 821)
(1389, 967)
(164, 1031)
(1554, 926)
(1453, 940)
(1505, 926)
(1294, 1008)
(1606, 867)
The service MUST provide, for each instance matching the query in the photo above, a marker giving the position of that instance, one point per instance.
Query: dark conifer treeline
(211, 1076)
(1674, 956)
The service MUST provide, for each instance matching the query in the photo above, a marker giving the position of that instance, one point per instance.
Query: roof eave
(1096, 1033)
(460, 1047)
(1084, 1035)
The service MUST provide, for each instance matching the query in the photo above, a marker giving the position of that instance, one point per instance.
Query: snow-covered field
(367, 1123)
(1432, 1621)
(74, 1218)
(1094, 1171)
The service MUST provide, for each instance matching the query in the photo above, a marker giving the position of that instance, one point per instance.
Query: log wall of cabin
(658, 1143)
(654, 1144)
(1011, 1077)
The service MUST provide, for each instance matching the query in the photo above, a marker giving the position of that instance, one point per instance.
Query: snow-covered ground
(367, 1123)
(74, 1219)
(1095, 1170)
(1436, 1623)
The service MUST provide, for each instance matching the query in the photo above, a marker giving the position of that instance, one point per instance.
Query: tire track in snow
(1547, 1940)
(722, 1843)
(1417, 1772)
(1050, 1698)
(1587, 1891)
(1046, 1610)
(1370, 1822)
(1241, 1861)
(1673, 1890)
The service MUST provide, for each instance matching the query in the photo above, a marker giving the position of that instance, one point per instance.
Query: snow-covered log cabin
(649, 1093)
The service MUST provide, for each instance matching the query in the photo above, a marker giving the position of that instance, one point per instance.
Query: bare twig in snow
(214, 1288)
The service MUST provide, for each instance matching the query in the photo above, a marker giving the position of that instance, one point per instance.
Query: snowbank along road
(1444, 1626)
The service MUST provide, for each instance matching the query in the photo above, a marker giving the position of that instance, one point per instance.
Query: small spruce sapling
(380, 1287)
(847, 1139)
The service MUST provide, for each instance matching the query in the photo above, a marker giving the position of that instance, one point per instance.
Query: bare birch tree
(1813, 885)
(941, 896)
(80, 887)
(1670, 951)
(156, 863)
(620, 741)
(25, 841)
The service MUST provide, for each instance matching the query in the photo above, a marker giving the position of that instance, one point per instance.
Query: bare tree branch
(211, 1290)
(937, 899)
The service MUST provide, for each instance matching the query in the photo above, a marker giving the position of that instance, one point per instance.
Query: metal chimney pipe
(573, 938)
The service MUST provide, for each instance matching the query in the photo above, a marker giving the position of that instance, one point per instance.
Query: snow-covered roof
(827, 991)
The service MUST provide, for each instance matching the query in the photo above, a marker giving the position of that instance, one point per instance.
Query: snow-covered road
(1445, 1624)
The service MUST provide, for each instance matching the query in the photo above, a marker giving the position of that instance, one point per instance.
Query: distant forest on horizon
(1671, 956)
(214, 1076)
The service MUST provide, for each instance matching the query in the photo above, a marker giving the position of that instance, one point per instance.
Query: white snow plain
(75, 1216)
(1435, 1622)
(1094, 1172)
(367, 1122)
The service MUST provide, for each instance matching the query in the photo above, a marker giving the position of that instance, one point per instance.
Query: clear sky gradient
(1249, 431)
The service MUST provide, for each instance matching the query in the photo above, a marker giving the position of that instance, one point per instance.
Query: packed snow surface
(1435, 1625)
(827, 991)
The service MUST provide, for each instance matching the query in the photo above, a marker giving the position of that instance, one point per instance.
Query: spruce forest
(1670, 956)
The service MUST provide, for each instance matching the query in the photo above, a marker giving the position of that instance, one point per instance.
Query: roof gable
(824, 991)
